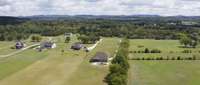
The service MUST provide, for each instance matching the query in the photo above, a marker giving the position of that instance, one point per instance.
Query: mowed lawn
(170, 48)
(88, 74)
(57, 68)
(5, 47)
(164, 73)
(52, 70)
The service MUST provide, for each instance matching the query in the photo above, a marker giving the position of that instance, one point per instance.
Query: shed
(100, 57)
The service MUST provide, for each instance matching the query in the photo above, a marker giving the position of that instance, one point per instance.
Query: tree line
(105, 28)
(119, 66)
(166, 58)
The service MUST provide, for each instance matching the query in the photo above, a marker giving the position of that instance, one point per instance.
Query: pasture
(169, 48)
(163, 72)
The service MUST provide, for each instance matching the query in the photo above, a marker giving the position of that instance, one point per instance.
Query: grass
(52, 67)
(5, 47)
(164, 73)
(170, 48)
(15, 63)
(87, 74)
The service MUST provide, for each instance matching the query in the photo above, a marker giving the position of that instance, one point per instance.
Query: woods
(142, 28)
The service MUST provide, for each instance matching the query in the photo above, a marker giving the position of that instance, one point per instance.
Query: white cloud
(99, 7)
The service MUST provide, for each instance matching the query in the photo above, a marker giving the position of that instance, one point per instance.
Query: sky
(99, 7)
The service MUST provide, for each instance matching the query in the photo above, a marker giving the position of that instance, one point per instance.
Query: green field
(5, 47)
(88, 74)
(170, 48)
(51, 67)
(164, 73)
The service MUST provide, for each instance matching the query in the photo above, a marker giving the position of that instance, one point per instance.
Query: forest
(137, 27)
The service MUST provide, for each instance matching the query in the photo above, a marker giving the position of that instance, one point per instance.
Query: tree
(193, 43)
(36, 38)
(146, 50)
(67, 39)
(185, 40)
(189, 40)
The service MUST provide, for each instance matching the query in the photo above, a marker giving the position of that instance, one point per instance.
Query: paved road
(16, 52)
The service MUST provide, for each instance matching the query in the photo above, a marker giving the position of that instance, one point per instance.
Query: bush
(36, 38)
(155, 51)
(13, 47)
(146, 50)
(140, 46)
(194, 57)
(186, 51)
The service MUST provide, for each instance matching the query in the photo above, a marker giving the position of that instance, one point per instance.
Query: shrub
(194, 57)
(140, 46)
(186, 51)
(146, 50)
(155, 51)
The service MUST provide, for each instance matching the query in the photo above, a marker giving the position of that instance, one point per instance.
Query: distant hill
(137, 18)
(4, 20)
(83, 17)
(111, 17)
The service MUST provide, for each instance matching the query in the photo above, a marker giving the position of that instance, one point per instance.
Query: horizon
(99, 7)
(102, 15)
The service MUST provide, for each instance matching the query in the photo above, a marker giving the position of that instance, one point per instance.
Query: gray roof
(99, 57)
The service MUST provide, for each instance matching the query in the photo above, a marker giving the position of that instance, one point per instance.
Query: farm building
(99, 58)
(19, 45)
(77, 46)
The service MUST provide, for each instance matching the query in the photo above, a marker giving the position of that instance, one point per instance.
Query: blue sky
(99, 7)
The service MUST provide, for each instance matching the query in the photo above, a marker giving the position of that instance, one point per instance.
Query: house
(99, 58)
(68, 34)
(19, 45)
(77, 46)
(48, 45)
